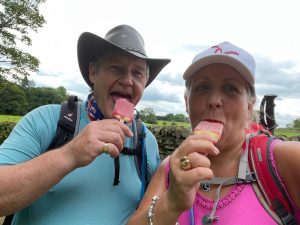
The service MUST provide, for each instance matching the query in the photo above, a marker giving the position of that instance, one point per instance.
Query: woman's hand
(184, 183)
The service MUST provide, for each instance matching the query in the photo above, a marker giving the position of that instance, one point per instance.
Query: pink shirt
(239, 206)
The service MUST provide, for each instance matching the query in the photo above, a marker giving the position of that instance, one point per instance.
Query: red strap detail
(258, 148)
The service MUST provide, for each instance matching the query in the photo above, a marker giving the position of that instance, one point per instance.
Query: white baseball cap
(226, 53)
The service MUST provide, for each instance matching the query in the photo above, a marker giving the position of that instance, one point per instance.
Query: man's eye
(202, 87)
(140, 74)
(115, 68)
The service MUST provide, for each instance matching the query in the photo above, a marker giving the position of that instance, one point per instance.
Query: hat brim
(90, 46)
(224, 59)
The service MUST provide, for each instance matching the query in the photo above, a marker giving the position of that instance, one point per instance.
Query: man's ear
(92, 73)
(186, 103)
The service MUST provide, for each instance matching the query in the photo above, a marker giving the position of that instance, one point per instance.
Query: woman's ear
(251, 112)
(251, 103)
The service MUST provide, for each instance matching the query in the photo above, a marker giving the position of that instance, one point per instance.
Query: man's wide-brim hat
(122, 38)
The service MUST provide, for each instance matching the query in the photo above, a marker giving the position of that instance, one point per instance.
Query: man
(73, 184)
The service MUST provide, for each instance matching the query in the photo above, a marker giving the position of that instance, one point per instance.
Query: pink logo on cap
(220, 50)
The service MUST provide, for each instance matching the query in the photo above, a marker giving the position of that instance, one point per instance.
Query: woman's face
(218, 92)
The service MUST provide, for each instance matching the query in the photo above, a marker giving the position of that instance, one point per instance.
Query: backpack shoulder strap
(268, 187)
(67, 126)
(141, 159)
(139, 152)
(8, 220)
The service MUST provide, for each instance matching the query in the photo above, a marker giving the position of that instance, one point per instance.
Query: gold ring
(105, 148)
(185, 164)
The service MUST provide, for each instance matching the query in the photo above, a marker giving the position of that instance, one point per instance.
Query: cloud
(280, 78)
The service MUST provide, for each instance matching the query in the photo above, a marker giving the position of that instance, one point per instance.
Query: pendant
(205, 187)
(206, 220)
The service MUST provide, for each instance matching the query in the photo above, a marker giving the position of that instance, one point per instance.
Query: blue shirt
(86, 196)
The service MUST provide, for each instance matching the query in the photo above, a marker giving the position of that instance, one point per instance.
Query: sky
(268, 29)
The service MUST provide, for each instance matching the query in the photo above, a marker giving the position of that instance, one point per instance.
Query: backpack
(268, 188)
(255, 168)
(68, 127)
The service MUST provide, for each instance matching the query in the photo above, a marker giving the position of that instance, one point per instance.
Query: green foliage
(294, 124)
(179, 118)
(13, 100)
(288, 132)
(169, 117)
(148, 115)
(5, 129)
(37, 96)
(161, 123)
(17, 19)
(16, 100)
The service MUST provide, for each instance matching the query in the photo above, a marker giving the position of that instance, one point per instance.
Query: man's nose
(126, 79)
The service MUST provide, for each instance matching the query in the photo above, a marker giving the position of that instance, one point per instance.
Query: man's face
(119, 76)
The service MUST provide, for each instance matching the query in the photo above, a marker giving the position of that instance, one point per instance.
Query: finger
(111, 125)
(195, 144)
(124, 127)
(198, 160)
(188, 177)
(113, 138)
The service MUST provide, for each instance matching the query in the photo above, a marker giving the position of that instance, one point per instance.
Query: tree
(148, 116)
(170, 117)
(294, 124)
(179, 118)
(13, 100)
(17, 18)
(38, 96)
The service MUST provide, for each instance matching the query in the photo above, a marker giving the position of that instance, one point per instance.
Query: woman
(219, 88)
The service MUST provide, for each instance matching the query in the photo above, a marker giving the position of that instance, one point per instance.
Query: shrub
(5, 129)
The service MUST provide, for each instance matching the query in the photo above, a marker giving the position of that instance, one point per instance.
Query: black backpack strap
(8, 219)
(67, 122)
(139, 153)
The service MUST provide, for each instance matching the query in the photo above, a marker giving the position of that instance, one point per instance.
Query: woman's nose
(215, 101)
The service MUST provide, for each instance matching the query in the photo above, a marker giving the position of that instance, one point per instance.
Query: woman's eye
(230, 88)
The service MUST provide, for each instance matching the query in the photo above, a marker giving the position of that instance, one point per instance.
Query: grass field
(6, 118)
(289, 132)
(279, 131)
(170, 123)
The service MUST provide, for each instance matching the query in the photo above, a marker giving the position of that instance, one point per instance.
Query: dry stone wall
(170, 137)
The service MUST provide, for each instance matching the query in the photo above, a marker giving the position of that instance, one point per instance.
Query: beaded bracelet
(151, 210)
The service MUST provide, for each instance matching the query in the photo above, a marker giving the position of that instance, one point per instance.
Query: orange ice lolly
(212, 129)
(123, 110)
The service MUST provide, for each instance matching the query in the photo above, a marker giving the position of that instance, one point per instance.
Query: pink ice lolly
(212, 129)
(123, 110)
